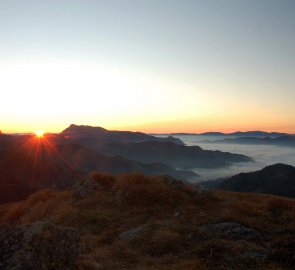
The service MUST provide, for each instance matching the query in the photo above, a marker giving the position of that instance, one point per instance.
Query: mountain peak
(103, 135)
(83, 131)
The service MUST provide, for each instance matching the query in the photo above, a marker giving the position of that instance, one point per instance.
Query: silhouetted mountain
(256, 134)
(286, 140)
(278, 179)
(4, 140)
(237, 133)
(25, 170)
(87, 160)
(212, 133)
(97, 135)
(175, 155)
(36, 164)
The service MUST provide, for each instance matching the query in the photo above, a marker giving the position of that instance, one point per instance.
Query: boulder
(40, 245)
(233, 230)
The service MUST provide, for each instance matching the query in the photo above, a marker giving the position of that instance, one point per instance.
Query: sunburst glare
(39, 134)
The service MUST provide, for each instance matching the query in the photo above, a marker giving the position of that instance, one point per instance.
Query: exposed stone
(258, 255)
(85, 187)
(130, 234)
(40, 245)
(234, 230)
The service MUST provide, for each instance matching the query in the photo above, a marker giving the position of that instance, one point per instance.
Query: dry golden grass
(14, 212)
(172, 216)
(40, 205)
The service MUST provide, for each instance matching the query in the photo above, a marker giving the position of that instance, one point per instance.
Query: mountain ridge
(104, 135)
(276, 179)
(175, 155)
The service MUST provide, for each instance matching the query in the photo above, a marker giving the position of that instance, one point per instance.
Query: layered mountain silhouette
(175, 155)
(277, 179)
(97, 135)
(25, 170)
(147, 149)
(37, 164)
(286, 140)
(257, 133)
(28, 164)
(87, 160)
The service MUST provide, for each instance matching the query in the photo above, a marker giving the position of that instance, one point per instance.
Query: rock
(130, 234)
(258, 255)
(234, 230)
(40, 245)
(176, 214)
(85, 187)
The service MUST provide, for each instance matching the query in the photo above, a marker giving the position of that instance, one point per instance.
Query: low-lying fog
(263, 155)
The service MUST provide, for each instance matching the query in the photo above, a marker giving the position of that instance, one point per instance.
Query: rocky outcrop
(85, 187)
(233, 230)
(40, 245)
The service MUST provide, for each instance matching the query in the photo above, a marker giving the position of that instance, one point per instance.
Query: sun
(39, 134)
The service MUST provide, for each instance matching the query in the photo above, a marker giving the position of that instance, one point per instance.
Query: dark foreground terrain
(146, 222)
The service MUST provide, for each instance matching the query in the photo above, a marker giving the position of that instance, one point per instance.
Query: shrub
(164, 242)
(14, 213)
(280, 207)
(105, 180)
(40, 196)
(145, 190)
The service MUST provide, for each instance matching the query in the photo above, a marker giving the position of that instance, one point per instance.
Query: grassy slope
(172, 215)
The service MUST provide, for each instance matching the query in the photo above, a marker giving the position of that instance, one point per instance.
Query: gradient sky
(153, 65)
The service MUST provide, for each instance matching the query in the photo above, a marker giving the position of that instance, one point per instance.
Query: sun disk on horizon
(39, 134)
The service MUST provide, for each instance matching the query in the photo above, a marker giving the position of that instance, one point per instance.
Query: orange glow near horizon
(172, 126)
(125, 98)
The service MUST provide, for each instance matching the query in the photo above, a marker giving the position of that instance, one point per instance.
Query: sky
(154, 65)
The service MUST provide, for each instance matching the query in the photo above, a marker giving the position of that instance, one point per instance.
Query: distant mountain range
(28, 164)
(175, 155)
(237, 133)
(149, 149)
(101, 135)
(286, 140)
(277, 179)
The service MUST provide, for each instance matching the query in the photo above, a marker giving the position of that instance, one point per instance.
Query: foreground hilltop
(154, 223)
